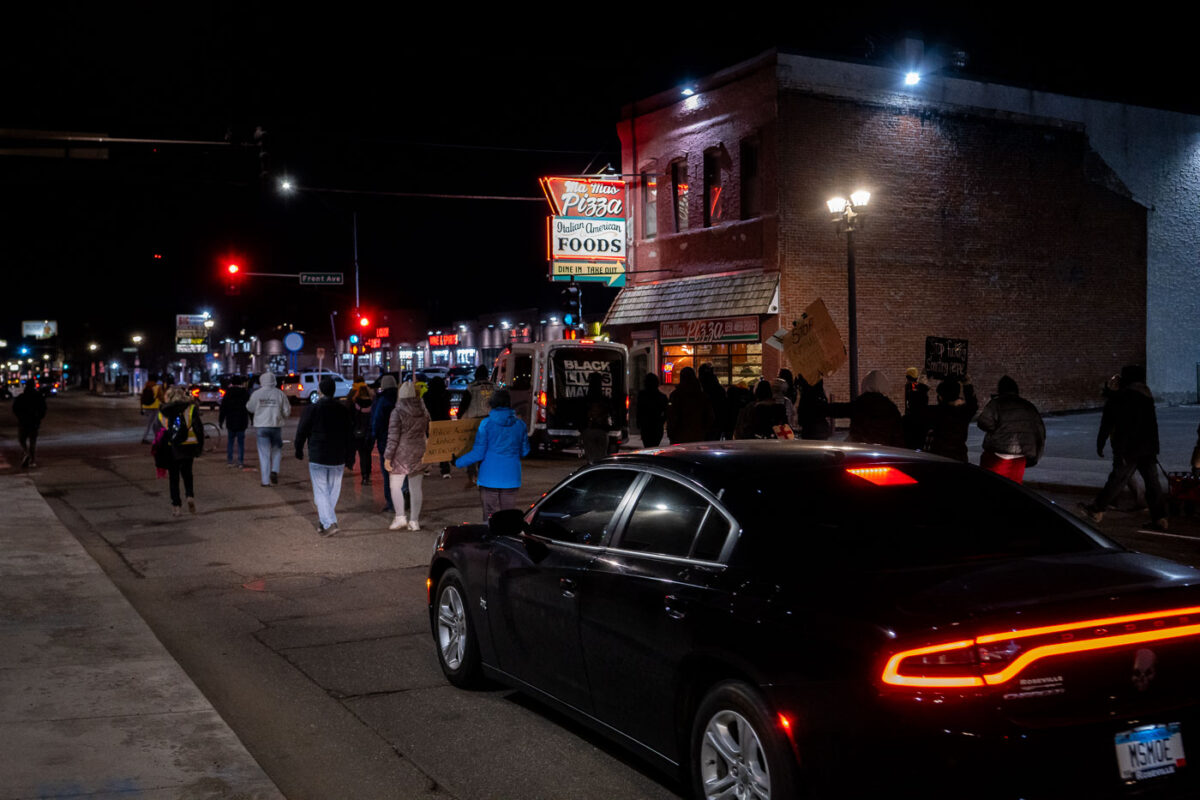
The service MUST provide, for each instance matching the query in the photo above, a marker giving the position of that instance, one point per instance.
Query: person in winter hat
(1015, 435)
(269, 408)
(500, 443)
(407, 436)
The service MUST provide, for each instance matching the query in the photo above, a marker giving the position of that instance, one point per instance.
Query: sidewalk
(91, 703)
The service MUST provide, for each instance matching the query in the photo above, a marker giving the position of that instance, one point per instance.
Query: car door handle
(567, 586)
(675, 608)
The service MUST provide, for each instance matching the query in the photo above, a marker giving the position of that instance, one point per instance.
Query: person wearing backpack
(179, 437)
(359, 401)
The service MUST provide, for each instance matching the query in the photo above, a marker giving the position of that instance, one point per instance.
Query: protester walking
(500, 443)
(476, 404)
(381, 413)
(717, 398)
(359, 403)
(181, 440)
(916, 409)
(689, 414)
(326, 428)
(270, 408)
(29, 407)
(437, 403)
(779, 393)
(596, 420)
(874, 418)
(407, 437)
(234, 417)
(151, 401)
(1014, 434)
(765, 418)
(651, 411)
(812, 410)
(737, 397)
(1131, 423)
(950, 419)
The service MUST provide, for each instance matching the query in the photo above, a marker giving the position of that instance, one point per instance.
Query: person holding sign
(500, 443)
(408, 432)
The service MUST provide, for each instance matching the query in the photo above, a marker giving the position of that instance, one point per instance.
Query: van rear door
(570, 369)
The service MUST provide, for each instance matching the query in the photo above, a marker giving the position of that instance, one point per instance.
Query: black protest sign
(945, 358)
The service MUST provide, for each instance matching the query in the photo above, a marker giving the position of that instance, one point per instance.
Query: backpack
(179, 429)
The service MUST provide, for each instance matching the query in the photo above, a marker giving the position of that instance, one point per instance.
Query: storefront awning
(724, 295)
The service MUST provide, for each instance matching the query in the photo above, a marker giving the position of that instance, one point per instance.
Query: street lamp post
(848, 216)
(136, 384)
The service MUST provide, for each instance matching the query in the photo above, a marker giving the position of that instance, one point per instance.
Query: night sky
(373, 114)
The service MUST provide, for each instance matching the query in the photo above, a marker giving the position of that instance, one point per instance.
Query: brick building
(1006, 229)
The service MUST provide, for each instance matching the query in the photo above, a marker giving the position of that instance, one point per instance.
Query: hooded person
(381, 412)
(690, 415)
(269, 408)
(874, 418)
(1130, 422)
(651, 411)
(407, 436)
(500, 443)
(762, 418)
(950, 420)
(437, 401)
(1014, 434)
(327, 429)
(29, 408)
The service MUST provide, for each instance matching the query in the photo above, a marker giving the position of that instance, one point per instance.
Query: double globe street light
(848, 216)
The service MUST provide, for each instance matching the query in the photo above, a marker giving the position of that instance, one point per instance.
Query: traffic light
(570, 304)
(233, 284)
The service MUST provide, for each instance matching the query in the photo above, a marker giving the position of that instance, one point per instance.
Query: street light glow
(860, 198)
(912, 79)
(137, 339)
(836, 205)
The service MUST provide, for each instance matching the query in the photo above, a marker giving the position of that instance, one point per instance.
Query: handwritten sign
(450, 437)
(945, 358)
(814, 347)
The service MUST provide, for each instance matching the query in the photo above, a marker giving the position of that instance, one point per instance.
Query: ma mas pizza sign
(587, 232)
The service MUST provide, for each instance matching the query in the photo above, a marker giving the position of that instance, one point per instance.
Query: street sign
(320, 352)
(608, 272)
(320, 279)
(293, 342)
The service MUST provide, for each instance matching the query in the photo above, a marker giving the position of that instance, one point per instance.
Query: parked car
(777, 619)
(460, 377)
(207, 394)
(304, 385)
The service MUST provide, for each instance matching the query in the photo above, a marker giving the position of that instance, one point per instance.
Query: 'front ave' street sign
(320, 279)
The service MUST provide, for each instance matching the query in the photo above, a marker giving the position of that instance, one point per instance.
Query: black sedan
(782, 619)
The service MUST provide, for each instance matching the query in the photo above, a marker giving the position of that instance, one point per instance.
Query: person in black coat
(715, 393)
(812, 410)
(437, 403)
(651, 411)
(29, 409)
(760, 419)
(234, 417)
(874, 418)
(327, 429)
(1129, 421)
(950, 419)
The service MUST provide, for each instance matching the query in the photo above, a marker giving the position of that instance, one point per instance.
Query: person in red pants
(1015, 435)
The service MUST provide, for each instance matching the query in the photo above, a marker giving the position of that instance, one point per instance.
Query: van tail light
(299, 387)
(541, 406)
(994, 659)
(222, 393)
(195, 392)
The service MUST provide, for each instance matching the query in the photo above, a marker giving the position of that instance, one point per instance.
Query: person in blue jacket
(500, 444)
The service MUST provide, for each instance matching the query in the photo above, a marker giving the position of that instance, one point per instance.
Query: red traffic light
(364, 322)
(233, 269)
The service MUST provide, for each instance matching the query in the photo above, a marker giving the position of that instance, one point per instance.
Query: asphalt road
(317, 651)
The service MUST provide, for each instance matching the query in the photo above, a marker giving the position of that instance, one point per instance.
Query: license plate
(1150, 751)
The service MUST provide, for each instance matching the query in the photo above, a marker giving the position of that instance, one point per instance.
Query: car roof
(713, 463)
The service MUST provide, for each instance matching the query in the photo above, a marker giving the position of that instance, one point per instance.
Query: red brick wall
(978, 228)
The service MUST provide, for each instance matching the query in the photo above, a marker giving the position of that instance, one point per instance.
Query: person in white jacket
(270, 408)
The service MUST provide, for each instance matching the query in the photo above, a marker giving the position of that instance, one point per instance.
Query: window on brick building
(751, 185)
(714, 188)
(649, 205)
(679, 187)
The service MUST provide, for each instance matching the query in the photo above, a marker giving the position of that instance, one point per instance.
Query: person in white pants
(408, 432)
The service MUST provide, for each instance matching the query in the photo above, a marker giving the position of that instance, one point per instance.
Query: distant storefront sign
(608, 272)
(188, 344)
(724, 329)
(39, 328)
(443, 340)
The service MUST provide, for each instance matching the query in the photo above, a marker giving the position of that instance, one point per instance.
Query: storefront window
(731, 362)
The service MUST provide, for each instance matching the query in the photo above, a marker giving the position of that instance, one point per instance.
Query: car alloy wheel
(314, 397)
(458, 652)
(736, 751)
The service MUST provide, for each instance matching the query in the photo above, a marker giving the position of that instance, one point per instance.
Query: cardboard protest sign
(814, 347)
(450, 437)
(945, 358)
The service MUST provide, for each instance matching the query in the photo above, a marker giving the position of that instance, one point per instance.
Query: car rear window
(291, 379)
(948, 514)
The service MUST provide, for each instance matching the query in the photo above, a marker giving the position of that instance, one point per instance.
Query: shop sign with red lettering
(702, 331)
(585, 197)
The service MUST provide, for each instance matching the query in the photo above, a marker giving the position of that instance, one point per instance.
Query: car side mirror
(507, 522)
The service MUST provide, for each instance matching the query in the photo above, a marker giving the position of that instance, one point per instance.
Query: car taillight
(195, 392)
(454, 413)
(996, 658)
(222, 393)
(299, 387)
(541, 410)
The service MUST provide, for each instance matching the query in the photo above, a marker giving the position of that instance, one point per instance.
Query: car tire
(454, 635)
(737, 748)
(314, 397)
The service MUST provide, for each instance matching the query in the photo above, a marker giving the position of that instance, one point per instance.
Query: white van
(303, 386)
(548, 381)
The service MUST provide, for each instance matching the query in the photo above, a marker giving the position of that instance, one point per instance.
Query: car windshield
(948, 514)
